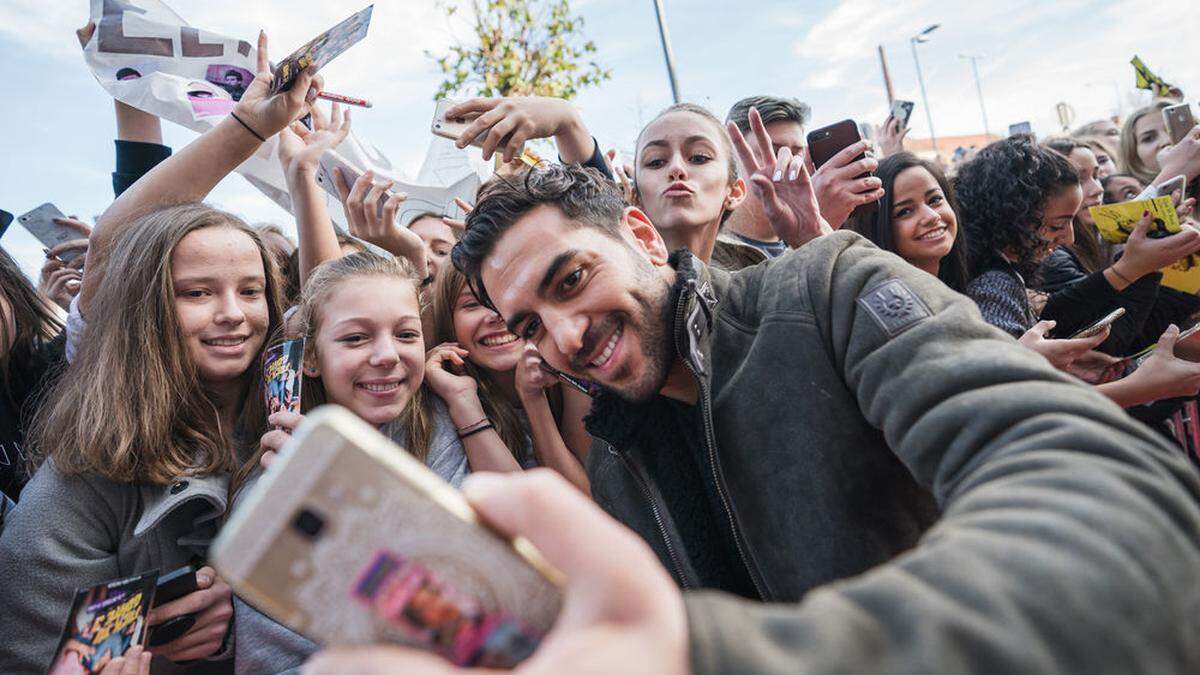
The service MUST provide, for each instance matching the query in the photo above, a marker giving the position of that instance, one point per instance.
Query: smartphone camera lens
(308, 523)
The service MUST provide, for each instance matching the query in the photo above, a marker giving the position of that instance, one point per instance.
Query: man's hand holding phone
(212, 606)
(841, 186)
(618, 599)
(782, 184)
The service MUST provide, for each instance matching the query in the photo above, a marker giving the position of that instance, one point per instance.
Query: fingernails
(204, 578)
(311, 95)
(778, 175)
(794, 173)
(1146, 213)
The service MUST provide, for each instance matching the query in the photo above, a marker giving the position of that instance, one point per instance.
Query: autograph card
(105, 622)
(282, 370)
(322, 49)
(1116, 221)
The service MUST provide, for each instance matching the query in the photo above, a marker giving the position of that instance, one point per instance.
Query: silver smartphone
(348, 540)
(902, 111)
(40, 223)
(1179, 121)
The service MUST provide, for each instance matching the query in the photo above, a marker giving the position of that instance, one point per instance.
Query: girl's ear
(310, 364)
(737, 194)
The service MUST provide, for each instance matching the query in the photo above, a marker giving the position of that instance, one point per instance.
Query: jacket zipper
(711, 443)
(652, 498)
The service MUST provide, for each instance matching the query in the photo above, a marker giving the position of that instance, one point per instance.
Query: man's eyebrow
(547, 279)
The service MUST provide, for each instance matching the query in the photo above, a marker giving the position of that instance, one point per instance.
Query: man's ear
(645, 237)
(737, 194)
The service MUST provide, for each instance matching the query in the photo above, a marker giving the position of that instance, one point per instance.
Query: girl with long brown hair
(161, 401)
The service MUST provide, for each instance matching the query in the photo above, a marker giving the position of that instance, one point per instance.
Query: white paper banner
(147, 56)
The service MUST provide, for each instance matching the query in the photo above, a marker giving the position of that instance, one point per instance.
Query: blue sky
(58, 122)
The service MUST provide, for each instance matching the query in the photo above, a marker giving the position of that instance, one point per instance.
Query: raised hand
(532, 378)
(891, 137)
(300, 148)
(443, 372)
(838, 186)
(782, 184)
(1181, 158)
(266, 113)
(371, 216)
(509, 122)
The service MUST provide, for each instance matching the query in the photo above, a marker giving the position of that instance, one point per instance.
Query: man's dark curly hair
(1002, 195)
(586, 198)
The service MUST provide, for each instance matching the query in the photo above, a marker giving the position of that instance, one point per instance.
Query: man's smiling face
(595, 304)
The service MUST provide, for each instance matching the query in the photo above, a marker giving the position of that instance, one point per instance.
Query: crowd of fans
(843, 426)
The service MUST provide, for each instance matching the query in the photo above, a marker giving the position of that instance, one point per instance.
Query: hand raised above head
(782, 184)
(267, 114)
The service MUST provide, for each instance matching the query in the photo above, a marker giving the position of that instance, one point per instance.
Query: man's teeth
(386, 386)
(499, 340)
(226, 342)
(608, 349)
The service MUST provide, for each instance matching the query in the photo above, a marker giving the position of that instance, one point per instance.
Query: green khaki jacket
(844, 394)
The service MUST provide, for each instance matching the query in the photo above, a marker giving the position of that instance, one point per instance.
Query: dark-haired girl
(916, 219)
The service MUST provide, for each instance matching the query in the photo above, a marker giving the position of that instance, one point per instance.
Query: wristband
(462, 435)
(243, 123)
(1120, 276)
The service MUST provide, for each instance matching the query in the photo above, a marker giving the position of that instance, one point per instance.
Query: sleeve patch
(894, 307)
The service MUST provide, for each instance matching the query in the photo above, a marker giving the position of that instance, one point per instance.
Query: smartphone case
(450, 128)
(40, 223)
(348, 539)
(1179, 121)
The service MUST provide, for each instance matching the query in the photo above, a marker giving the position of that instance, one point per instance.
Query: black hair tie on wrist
(243, 123)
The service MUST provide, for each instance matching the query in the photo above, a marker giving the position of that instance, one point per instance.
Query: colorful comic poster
(282, 371)
(322, 49)
(430, 613)
(1116, 221)
(105, 621)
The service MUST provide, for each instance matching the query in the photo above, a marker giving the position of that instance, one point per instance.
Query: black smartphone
(172, 586)
(6, 219)
(828, 141)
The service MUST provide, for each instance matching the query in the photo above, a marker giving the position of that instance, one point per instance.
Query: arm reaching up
(192, 173)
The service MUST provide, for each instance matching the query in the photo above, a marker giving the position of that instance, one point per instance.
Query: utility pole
(914, 41)
(978, 90)
(887, 79)
(666, 45)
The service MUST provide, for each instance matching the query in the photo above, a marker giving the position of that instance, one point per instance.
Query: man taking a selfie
(834, 415)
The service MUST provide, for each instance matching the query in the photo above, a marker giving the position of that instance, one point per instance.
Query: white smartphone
(1179, 121)
(902, 111)
(350, 540)
(452, 128)
(1095, 329)
(1163, 189)
(40, 223)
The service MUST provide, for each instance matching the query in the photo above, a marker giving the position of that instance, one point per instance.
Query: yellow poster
(1116, 221)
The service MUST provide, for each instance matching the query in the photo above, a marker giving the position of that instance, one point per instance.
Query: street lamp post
(913, 42)
(666, 45)
(978, 90)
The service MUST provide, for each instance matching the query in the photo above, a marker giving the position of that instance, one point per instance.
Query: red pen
(349, 100)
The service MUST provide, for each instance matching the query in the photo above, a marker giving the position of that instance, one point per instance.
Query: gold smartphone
(1179, 121)
(349, 540)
